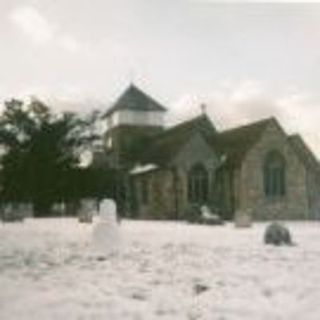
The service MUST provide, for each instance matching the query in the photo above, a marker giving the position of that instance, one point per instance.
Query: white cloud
(239, 103)
(68, 42)
(248, 1)
(40, 30)
(30, 21)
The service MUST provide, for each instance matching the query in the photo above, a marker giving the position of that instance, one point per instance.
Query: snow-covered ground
(165, 270)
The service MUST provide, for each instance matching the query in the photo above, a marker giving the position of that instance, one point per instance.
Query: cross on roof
(203, 108)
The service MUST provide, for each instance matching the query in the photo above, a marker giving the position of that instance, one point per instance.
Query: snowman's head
(108, 210)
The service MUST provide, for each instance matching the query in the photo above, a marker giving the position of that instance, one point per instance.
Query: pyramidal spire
(134, 99)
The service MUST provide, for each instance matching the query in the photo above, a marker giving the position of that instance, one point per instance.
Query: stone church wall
(168, 186)
(196, 151)
(313, 183)
(160, 197)
(251, 197)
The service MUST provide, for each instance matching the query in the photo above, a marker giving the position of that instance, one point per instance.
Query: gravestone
(58, 209)
(242, 219)
(86, 211)
(106, 233)
(14, 211)
(277, 234)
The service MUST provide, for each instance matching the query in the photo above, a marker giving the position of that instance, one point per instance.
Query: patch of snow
(143, 169)
(165, 270)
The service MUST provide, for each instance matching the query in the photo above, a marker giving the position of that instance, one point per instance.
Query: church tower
(133, 119)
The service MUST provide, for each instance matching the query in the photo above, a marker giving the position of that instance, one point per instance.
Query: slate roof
(232, 145)
(135, 99)
(304, 152)
(235, 143)
(165, 146)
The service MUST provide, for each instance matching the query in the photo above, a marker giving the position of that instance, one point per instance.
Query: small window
(274, 175)
(198, 185)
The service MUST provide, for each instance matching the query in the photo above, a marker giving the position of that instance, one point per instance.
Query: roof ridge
(248, 125)
(182, 125)
(294, 138)
(187, 122)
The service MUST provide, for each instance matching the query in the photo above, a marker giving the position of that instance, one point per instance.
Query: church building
(256, 171)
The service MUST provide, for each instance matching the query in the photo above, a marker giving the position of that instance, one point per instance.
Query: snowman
(106, 233)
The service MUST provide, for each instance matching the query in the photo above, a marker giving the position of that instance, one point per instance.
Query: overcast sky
(245, 61)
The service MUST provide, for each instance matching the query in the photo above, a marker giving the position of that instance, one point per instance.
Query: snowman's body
(106, 234)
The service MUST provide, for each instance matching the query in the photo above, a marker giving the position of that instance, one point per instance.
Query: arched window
(198, 185)
(274, 175)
